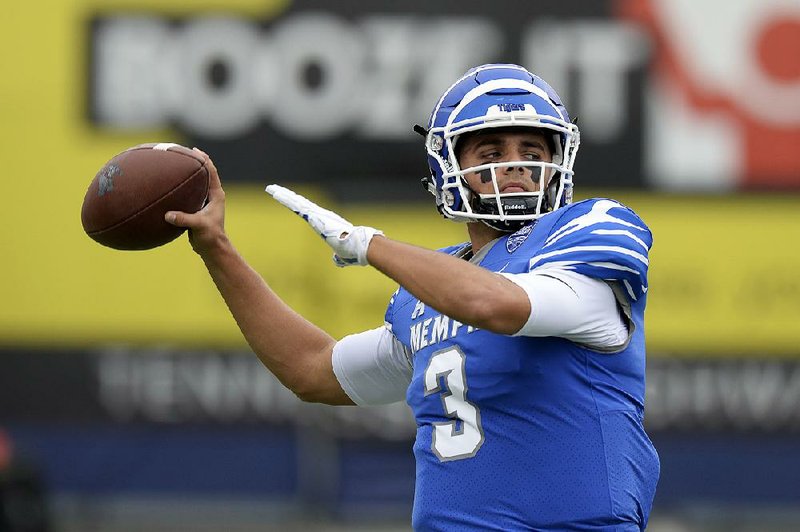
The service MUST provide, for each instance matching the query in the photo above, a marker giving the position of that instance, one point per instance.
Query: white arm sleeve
(569, 305)
(372, 367)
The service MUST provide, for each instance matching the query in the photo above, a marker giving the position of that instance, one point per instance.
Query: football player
(521, 351)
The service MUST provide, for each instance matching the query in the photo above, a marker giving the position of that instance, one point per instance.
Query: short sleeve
(601, 239)
(572, 306)
(372, 367)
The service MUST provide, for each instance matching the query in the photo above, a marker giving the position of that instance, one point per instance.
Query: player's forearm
(454, 287)
(296, 351)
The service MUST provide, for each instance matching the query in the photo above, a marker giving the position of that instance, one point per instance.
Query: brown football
(125, 205)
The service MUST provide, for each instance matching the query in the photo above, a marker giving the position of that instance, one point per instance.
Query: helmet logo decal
(517, 239)
(509, 107)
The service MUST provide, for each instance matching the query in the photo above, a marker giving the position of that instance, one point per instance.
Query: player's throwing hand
(349, 242)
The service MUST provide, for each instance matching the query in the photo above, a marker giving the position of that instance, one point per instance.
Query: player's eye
(533, 156)
(490, 155)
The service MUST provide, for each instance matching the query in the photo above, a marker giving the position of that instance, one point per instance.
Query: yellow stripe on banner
(723, 277)
(56, 286)
(723, 273)
(723, 269)
(260, 8)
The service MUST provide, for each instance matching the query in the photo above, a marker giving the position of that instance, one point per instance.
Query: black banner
(169, 387)
(328, 92)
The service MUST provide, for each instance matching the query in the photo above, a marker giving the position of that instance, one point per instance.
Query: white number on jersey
(462, 437)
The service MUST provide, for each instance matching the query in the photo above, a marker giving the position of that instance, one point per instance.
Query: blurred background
(128, 399)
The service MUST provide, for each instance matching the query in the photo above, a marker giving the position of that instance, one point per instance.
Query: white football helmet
(499, 96)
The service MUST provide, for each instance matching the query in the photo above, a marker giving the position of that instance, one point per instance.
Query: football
(125, 205)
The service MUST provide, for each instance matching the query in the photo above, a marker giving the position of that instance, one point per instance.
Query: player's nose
(522, 174)
(516, 170)
(513, 156)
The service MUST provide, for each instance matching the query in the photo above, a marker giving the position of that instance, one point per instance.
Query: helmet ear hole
(557, 154)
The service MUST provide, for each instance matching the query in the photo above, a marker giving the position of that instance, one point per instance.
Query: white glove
(349, 242)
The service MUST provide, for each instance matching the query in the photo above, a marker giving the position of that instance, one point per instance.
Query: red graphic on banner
(770, 135)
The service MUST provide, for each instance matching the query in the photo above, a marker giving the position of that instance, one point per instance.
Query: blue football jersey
(535, 433)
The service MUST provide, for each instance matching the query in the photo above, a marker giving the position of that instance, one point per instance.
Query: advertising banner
(322, 96)
(328, 92)
(214, 431)
(171, 387)
(723, 105)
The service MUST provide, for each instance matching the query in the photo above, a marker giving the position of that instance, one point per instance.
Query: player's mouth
(512, 187)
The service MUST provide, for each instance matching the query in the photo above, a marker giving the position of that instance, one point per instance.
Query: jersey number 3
(462, 437)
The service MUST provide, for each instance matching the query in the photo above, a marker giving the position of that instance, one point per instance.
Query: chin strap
(488, 205)
(421, 130)
(511, 205)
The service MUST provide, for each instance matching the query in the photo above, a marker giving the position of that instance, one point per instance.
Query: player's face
(504, 145)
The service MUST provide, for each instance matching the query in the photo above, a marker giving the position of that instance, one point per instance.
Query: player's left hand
(349, 242)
